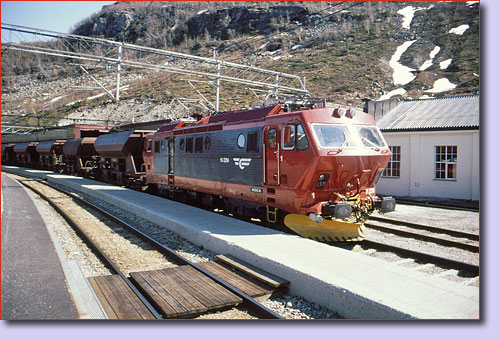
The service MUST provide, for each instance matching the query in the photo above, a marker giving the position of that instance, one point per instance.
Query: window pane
(386, 172)
(271, 138)
(439, 171)
(288, 137)
(241, 140)
(198, 145)
(252, 143)
(208, 143)
(332, 136)
(370, 136)
(189, 145)
(302, 142)
(393, 167)
(446, 158)
(452, 171)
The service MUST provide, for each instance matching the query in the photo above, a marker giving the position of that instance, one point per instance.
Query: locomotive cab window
(162, 145)
(149, 143)
(157, 146)
(293, 136)
(271, 138)
(288, 137)
(302, 142)
(182, 145)
(370, 136)
(332, 136)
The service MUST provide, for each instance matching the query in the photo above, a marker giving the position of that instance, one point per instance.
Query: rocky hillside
(349, 52)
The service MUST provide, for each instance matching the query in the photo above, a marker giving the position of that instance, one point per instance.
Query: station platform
(354, 285)
(37, 282)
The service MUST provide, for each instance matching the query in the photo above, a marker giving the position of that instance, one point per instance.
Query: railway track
(445, 205)
(197, 288)
(436, 245)
(438, 235)
(466, 268)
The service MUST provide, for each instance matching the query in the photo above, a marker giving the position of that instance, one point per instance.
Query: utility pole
(118, 69)
(218, 81)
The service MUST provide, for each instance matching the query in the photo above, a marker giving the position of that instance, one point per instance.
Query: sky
(58, 16)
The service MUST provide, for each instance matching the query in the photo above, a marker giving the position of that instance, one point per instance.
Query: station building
(434, 144)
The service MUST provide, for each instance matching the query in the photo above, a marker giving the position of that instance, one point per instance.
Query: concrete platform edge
(85, 300)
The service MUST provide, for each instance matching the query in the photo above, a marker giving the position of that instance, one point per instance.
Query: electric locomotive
(313, 170)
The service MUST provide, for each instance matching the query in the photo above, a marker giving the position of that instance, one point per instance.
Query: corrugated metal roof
(440, 113)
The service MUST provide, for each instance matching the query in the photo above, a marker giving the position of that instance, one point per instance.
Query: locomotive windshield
(332, 136)
(370, 136)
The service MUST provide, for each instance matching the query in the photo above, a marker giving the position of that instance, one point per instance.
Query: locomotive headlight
(322, 180)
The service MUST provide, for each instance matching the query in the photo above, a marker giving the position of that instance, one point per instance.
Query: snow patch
(445, 64)
(425, 96)
(471, 3)
(428, 63)
(387, 96)
(97, 96)
(459, 30)
(296, 47)
(57, 99)
(402, 74)
(74, 102)
(202, 11)
(407, 14)
(124, 88)
(441, 85)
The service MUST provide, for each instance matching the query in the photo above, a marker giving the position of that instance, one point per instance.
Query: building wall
(418, 165)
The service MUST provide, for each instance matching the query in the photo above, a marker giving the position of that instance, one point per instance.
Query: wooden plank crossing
(183, 291)
(255, 272)
(117, 298)
(246, 285)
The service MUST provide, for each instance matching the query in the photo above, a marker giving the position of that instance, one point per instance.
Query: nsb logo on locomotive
(242, 162)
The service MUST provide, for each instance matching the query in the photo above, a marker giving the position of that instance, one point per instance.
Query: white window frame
(388, 170)
(446, 162)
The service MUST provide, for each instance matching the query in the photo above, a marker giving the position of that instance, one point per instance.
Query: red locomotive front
(331, 185)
